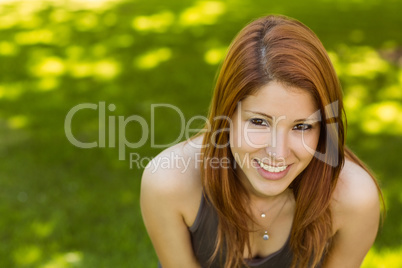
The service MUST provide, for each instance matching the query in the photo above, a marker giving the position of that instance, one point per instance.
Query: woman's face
(273, 136)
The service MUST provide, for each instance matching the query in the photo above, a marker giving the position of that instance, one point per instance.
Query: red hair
(276, 48)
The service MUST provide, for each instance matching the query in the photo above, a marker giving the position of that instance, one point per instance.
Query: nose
(278, 147)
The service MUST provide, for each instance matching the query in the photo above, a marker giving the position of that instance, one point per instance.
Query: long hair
(275, 48)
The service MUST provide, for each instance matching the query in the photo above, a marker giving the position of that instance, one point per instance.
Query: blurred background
(65, 206)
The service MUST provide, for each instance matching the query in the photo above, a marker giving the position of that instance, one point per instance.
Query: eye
(258, 122)
(302, 127)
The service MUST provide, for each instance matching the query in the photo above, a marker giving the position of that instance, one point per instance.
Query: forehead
(277, 99)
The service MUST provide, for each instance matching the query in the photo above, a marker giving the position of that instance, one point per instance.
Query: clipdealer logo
(147, 131)
(107, 136)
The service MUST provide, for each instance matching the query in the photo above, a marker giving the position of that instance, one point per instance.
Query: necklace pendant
(265, 236)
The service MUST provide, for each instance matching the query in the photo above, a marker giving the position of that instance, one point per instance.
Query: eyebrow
(297, 120)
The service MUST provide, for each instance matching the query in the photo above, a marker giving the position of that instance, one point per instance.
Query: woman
(269, 182)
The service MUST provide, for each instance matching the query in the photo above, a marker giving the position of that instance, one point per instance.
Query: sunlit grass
(11, 91)
(215, 55)
(384, 115)
(8, 48)
(106, 69)
(17, 121)
(389, 258)
(39, 36)
(159, 22)
(67, 260)
(42, 229)
(29, 7)
(203, 12)
(358, 61)
(153, 58)
(27, 255)
(48, 66)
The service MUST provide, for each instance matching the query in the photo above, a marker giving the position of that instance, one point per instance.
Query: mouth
(272, 169)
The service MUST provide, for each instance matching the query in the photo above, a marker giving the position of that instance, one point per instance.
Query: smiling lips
(271, 169)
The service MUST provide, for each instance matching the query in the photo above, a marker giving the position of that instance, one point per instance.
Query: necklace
(263, 215)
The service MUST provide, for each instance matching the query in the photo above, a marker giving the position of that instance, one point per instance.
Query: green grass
(62, 206)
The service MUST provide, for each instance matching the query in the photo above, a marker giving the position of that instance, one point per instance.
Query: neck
(267, 201)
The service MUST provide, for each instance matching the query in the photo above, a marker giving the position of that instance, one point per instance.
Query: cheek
(256, 140)
(247, 138)
(306, 144)
(310, 141)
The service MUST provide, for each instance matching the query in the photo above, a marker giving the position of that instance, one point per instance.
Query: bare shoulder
(355, 210)
(170, 197)
(356, 194)
(173, 178)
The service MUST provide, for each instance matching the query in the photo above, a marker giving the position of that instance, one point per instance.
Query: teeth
(271, 168)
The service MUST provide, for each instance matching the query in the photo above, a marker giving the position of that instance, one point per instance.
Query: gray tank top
(203, 234)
